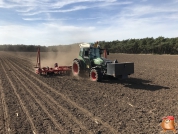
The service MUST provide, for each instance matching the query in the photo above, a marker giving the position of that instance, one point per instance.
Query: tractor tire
(95, 75)
(76, 68)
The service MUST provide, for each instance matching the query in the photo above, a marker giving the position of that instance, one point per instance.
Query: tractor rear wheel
(95, 75)
(76, 68)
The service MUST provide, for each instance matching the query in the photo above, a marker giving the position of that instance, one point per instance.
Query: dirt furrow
(97, 96)
(100, 101)
(35, 108)
(93, 117)
(17, 119)
(134, 105)
(4, 118)
(110, 104)
(48, 100)
(21, 103)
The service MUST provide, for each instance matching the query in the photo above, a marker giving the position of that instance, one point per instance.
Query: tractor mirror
(107, 52)
(86, 53)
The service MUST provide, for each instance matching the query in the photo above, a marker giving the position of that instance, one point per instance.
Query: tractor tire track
(48, 100)
(89, 114)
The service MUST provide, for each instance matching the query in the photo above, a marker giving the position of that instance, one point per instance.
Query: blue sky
(54, 22)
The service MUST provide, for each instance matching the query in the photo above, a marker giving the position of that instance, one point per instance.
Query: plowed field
(32, 104)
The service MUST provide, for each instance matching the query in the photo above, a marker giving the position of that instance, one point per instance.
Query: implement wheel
(95, 75)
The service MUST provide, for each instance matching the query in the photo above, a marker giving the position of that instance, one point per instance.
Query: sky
(62, 22)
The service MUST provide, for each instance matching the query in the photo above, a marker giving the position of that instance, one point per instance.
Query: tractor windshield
(95, 53)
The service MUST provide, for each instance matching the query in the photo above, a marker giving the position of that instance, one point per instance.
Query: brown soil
(33, 104)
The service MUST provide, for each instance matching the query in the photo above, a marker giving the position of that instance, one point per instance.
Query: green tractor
(91, 62)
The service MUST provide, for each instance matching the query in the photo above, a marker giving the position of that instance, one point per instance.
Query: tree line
(147, 45)
(151, 45)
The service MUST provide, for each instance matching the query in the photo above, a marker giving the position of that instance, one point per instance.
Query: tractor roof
(85, 45)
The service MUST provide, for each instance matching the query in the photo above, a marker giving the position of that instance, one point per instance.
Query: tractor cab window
(94, 53)
(81, 52)
(86, 53)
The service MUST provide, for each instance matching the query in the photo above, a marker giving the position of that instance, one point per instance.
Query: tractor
(91, 62)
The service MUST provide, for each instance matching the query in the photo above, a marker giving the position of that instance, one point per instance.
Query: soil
(34, 104)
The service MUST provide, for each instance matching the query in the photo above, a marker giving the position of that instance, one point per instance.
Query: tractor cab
(91, 54)
(91, 51)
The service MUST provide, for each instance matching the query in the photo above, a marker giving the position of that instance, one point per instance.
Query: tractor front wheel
(95, 75)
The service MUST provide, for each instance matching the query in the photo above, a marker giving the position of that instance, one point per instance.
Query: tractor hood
(101, 61)
(98, 61)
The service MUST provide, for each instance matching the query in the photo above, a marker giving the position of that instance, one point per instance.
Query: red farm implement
(63, 70)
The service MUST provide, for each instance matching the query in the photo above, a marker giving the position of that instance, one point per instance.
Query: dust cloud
(64, 56)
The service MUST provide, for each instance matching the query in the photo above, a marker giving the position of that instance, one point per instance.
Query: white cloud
(67, 28)
(44, 34)
(67, 2)
(32, 7)
(25, 10)
(16, 34)
(133, 21)
(140, 10)
(32, 19)
(75, 8)
(1, 2)
(31, 13)
(59, 33)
